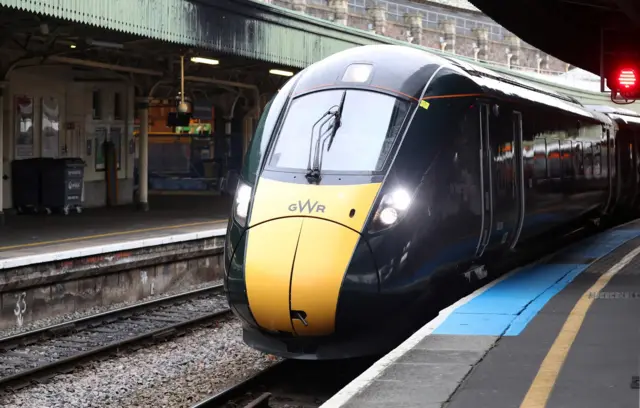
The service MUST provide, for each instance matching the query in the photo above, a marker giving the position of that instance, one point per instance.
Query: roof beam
(631, 9)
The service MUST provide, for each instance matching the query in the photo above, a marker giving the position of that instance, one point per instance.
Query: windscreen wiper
(336, 124)
(335, 112)
(313, 173)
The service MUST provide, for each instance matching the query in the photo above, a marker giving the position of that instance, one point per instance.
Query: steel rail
(107, 318)
(64, 327)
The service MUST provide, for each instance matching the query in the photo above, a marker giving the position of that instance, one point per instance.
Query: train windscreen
(368, 125)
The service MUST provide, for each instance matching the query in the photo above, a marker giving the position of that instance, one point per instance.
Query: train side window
(605, 155)
(540, 159)
(528, 163)
(587, 159)
(264, 129)
(553, 158)
(578, 159)
(597, 159)
(567, 159)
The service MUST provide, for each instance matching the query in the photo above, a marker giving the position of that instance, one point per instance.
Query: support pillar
(414, 21)
(299, 5)
(142, 104)
(448, 39)
(340, 9)
(513, 50)
(481, 50)
(3, 89)
(378, 16)
(542, 62)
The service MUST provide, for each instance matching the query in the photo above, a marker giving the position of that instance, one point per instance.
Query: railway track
(308, 384)
(290, 384)
(44, 352)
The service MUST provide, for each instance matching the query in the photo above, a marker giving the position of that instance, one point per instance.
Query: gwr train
(381, 167)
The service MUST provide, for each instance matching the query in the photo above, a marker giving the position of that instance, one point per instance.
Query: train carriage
(380, 168)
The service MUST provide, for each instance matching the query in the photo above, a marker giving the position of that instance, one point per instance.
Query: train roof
(621, 114)
(402, 63)
(497, 83)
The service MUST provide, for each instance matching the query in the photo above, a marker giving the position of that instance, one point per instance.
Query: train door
(625, 176)
(636, 171)
(485, 179)
(502, 174)
(506, 141)
(518, 178)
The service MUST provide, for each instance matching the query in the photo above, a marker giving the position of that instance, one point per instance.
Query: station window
(117, 106)
(96, 104)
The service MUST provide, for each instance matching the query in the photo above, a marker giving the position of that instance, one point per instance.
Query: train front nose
(293, 273)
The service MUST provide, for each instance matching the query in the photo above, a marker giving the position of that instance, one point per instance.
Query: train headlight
(241, 202)
(393, 207)
(388, 216)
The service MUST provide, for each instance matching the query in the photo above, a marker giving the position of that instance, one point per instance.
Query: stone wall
(40, 291)
(450, 25)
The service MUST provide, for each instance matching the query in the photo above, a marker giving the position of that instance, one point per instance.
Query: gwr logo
(306, 206)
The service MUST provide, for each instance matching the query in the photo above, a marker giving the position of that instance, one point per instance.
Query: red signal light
(627, 79)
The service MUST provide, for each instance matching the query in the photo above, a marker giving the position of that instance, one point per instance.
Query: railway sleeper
(261, 402)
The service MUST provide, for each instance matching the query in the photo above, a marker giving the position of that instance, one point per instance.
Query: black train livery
(381, 167)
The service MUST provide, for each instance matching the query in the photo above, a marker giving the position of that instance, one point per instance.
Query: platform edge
(53, 256)
(364, 379)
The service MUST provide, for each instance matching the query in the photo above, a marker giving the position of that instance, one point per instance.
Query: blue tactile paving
(506, 308)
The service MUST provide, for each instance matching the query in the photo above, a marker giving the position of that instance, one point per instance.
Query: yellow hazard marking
(540, 390)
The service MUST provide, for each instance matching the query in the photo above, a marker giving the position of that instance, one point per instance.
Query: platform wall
(79, 132)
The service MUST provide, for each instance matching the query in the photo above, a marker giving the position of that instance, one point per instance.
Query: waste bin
(62, 184)
(27, 183)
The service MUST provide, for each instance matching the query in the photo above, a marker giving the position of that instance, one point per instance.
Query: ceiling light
(280, 72)
(104, 44)
(72, 46)
(201, 60)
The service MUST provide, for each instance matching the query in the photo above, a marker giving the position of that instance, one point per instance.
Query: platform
(56, 265)
(36, 238)
(563, 332)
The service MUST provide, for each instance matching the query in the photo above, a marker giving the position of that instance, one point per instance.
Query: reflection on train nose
(295, 287)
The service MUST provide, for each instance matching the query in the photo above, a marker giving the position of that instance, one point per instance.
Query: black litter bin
(27, 183)
(62, 183)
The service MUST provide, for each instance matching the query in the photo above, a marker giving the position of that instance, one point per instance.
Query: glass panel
(265, 127)
(370, 123)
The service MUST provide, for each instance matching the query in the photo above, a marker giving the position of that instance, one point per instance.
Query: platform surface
(169, 216)
(564, 332)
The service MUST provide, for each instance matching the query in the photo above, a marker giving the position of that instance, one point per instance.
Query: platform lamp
(182, 117)
(182, 107)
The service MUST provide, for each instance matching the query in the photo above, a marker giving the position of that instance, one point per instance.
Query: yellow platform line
(108, 234)
(542, 386)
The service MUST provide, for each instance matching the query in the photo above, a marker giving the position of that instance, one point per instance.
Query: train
(381, 168)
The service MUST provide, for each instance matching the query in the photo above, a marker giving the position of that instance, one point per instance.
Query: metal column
(143, 159)
(2, 94)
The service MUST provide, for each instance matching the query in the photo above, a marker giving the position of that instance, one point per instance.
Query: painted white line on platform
(107, 248)
(364, 379)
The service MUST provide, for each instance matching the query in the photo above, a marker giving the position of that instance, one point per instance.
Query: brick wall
(453, 25)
